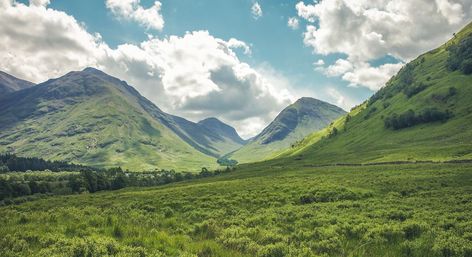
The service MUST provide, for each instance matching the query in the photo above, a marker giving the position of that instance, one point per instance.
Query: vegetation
(38, 184)
(11, 162)
(259, 210)
(410, 119)
(460, 56)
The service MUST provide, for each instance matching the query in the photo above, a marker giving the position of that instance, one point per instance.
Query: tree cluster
(11, 162)
(410, 118)
(90, 181)
(460, 56)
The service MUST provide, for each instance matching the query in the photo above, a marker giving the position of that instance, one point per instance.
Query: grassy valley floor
(258, 210)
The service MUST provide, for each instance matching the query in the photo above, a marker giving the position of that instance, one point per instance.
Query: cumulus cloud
(293, 23)
(195, 75)
(256, 10)
(150, 18)
(367, 30)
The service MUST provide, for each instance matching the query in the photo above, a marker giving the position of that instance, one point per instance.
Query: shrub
(411, 91)
(273, 250)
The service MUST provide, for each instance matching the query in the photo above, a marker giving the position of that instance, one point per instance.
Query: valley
(91, 167)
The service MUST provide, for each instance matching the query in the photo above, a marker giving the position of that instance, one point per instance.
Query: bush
(411, 91)
(273, 250)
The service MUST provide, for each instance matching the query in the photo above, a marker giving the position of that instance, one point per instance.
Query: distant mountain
(218, 127)
(91, 118)
(423, 113)
(9, 83)
(295, 122)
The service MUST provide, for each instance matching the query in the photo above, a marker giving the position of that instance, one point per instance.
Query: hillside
(295, 122)
(423, 113)
(9, 83)
(91, 118)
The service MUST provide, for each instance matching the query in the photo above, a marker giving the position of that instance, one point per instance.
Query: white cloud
(307, 12)
(340, 67)
(150, 18)
(256, 10)
(293, 22)
(318, 63)
(43, 3)
(234, 43)
(452, 11)
(195, 75)
(373, 78)
(367, 30)
(361, 73)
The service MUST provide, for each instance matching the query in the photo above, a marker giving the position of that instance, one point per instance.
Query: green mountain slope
(9, 83)
(423, 113)
(91, 118)
(292, 124)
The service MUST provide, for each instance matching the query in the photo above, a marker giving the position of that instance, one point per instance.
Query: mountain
(423, 113)
(9, 83)
(295, 122)
(91, 118)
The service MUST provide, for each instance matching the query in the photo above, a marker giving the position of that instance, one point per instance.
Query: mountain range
(91, 118)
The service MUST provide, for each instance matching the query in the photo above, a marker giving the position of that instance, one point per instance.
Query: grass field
(259, 210)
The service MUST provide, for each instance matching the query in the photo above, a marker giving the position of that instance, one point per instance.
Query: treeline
(410, 118)
(11, 162)
(38, 184)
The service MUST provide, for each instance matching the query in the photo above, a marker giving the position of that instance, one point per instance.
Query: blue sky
(190, 57)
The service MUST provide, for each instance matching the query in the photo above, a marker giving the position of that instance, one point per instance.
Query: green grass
(259, 210)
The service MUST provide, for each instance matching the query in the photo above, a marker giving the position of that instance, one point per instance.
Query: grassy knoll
(259, 210)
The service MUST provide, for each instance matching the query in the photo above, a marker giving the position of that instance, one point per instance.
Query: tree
(119, 181)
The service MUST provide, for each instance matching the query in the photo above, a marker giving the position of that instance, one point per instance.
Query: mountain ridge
(10, 83)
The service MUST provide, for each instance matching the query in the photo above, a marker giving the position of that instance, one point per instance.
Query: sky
(241, 61)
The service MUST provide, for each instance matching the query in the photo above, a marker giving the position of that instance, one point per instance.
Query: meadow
(259, 210)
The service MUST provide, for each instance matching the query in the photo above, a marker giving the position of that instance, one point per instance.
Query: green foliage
(11, 162)
(410, 119)
(415, 89)
(460, 56)
(414, 210)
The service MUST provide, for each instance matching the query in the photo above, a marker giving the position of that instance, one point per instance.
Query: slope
(295, 122)
(423, 113)
(94, 119)
(9, 83)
